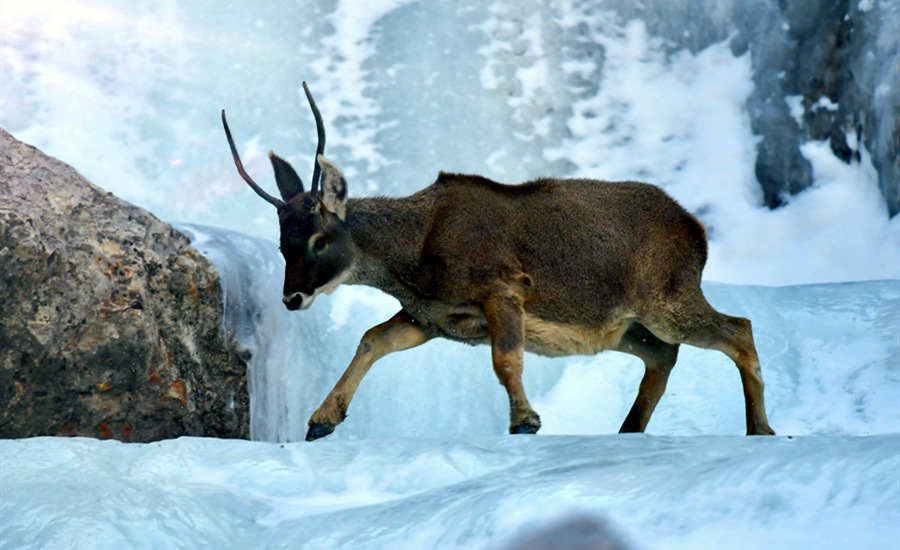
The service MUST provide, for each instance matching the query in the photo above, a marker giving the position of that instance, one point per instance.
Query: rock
(823, 70)
(110, 323)
(838, 62)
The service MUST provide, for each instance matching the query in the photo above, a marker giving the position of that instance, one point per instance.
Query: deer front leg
(398, 333)
(506, 324)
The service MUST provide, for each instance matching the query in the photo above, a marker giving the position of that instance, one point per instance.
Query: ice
(251, 271)
(421, 461)
(675, 93)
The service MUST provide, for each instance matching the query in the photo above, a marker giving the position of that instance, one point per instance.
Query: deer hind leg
(739, 346)
(506, 324)
(659, 358)
(696, 323)
(398, 333)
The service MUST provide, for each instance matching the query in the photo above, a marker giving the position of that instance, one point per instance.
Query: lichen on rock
(110, 323)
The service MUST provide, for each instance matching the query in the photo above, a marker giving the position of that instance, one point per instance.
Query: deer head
(315, 242)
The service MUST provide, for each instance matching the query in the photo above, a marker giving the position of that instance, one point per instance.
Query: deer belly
(469, 327)
(554, 339)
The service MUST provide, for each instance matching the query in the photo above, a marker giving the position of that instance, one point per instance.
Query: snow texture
(656, 491)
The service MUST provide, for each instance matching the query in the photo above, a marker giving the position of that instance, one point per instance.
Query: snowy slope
(657, 91)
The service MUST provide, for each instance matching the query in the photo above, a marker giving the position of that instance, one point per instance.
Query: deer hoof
(764, 430)
(523, 429)
(527, 423)
(318, 431)
(530, 425)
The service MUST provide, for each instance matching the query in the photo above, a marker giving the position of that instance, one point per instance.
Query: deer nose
(297, 300)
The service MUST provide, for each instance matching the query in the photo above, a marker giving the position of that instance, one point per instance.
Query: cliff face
(822, 70)
(110, 323)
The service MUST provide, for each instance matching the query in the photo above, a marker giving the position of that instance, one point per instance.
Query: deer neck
(388, 234)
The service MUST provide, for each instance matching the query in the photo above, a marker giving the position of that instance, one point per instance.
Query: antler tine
(320, 130)
(240, 168)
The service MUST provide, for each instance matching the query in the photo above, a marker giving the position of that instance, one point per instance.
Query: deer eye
(319, 243)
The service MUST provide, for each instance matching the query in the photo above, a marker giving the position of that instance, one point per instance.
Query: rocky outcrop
(110, 323)
(823, 70)
(837, 61)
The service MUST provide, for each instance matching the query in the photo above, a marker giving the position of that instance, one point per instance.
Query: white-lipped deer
(555, 267)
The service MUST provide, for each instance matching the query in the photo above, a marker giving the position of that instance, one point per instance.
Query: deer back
(584, 245)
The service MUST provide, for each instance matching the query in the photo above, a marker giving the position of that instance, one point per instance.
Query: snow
(656, 491)
(130, 93)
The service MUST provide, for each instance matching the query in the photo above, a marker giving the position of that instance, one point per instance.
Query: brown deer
(554, 267)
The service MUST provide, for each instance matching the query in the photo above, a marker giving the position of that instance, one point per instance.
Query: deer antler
(320, 148)
(240, 167)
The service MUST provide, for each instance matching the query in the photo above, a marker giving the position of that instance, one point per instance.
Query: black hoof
(317, 431)
(523, 429)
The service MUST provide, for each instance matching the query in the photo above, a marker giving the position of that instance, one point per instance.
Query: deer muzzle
(298, 300)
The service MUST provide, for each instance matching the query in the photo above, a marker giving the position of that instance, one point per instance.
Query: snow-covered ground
(672, 492)
(130, 93)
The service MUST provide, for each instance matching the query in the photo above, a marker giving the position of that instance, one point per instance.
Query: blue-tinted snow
(421, 461)
(673, 492)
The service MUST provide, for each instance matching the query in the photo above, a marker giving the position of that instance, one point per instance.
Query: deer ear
(334, 187)
(289, 183)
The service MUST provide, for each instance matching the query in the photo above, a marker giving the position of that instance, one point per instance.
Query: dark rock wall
(839, 59)
(843, 64)
(110, 323)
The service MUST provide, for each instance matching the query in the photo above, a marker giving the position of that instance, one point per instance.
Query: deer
(555, 267)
